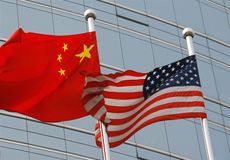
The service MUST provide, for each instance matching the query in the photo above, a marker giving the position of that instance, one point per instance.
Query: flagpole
(90, 16)
(188, 34)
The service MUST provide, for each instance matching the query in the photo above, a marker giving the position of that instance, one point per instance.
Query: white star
(157, 89)
(194, 68)
(154, 72)
(187, 82)
(178, 63)
(186, 74)
(191, 78)
(197, 82)
(178, 82)
(163, 71)
(167, 84)
(157, 76)
(190, 71)
(171, 79)
(195, 75)
(162, 79)
(181, 66)
(148, 78)
(147, 88)
(169, 65)
(173, 69)
(191, 61)
(182, 78)
(176, 75)
(187, 60)
(167, 74)
(152, 82)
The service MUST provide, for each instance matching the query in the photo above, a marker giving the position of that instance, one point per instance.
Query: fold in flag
(43, 76)
(129, 101)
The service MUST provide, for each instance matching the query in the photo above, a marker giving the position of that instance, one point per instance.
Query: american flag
(129, 101)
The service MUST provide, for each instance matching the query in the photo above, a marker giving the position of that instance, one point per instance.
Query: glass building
(137, 35)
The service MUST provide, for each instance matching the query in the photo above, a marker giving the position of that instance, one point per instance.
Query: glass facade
(137, 35)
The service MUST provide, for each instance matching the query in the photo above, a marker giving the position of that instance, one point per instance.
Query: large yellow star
(65, 47)
(61, 72)
(59, 58)
(85, 53)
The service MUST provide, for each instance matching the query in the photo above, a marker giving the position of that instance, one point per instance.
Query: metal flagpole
(188, 34)
(90, 16)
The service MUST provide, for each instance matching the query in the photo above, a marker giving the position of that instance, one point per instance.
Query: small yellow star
(65, 47)
(85, 53)
(61, 72)
(59, 58)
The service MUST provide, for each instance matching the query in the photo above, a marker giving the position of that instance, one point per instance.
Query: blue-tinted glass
(87, 123)
(126, 151)
(12, 122)
(183, 138)
(64, 25)
(164, 54)
(218, 28)
(132, 21)
(13, 134)
(162, 9)
(145, 154)
(136, 53)
(109, 47)
(35, 20)
(81, 149)
(69, 5)
(8, 12)
(207, 78)
(46, 141)
(9, 154)
(189, 16)
(46, 129)
(219, 143)
(154, 136)
(223, 78)
(137, 4)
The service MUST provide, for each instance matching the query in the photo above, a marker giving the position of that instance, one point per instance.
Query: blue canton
(180, 73)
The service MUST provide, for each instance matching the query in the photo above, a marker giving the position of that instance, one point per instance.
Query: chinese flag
(43, 76)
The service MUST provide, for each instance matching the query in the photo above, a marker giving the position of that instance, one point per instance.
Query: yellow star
(59, 58)
(65, 47)
(61, 72)
(85, 53)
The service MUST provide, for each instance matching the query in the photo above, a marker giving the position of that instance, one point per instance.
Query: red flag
(43, 76)
(129, 101)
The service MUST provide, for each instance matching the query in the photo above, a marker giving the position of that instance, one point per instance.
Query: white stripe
(102, 78)
(123, 102)
(93, 102)
(168, 112)
(124, 89)
(123, 115)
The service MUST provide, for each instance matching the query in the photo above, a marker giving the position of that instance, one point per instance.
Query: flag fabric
(43, 76)
(129, 101)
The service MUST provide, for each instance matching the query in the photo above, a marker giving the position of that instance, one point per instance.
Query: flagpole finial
(188, 32)
(89, 13)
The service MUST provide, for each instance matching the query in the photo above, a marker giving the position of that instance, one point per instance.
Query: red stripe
(118, 84)
(120, 95)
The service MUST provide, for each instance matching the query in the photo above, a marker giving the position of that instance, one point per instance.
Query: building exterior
(137, 35)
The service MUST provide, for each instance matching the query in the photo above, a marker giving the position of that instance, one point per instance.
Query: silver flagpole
(188, 34)
(90, 16)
